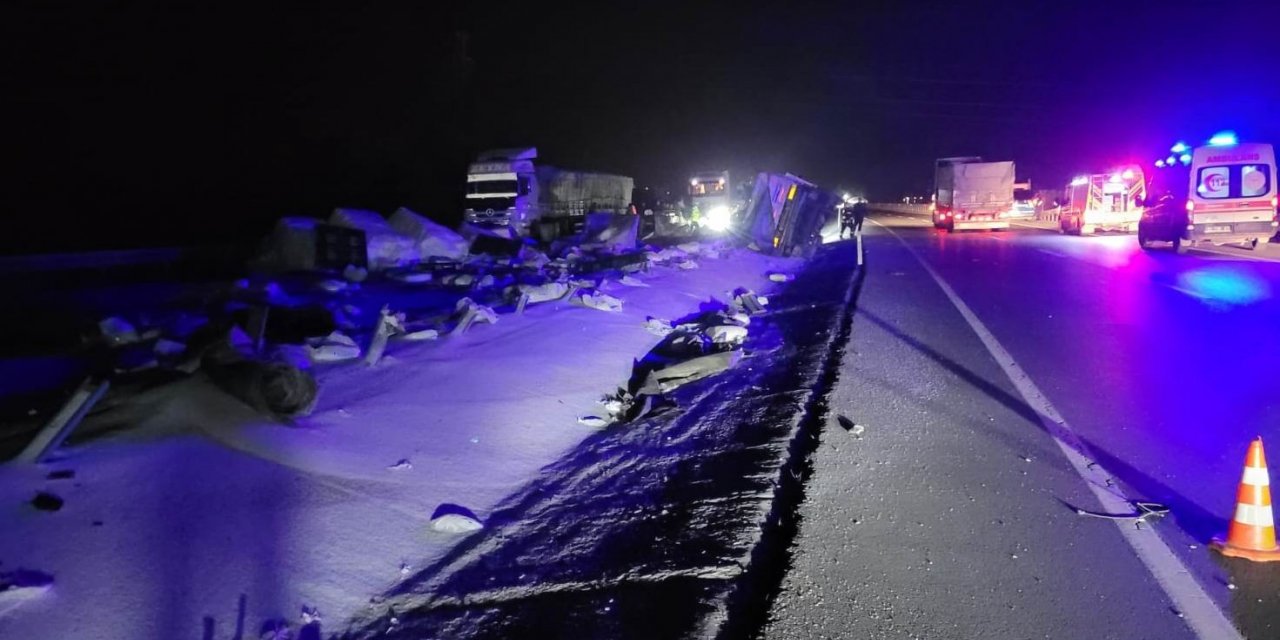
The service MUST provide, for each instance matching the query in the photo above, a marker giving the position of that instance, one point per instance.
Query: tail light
(1191, 206)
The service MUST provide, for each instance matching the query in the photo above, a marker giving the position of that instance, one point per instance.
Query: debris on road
(781, 277)
(45, 501)
(429, 238)
(386, 247)
(1146, 512)
(731, 335)
(667, 379)
(595, 422)
(849, 425)
(658, 326)
(451, 518)
(334, 347)
(598, 300)
(401, 465)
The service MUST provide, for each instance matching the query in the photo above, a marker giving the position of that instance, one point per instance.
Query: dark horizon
(176, 124)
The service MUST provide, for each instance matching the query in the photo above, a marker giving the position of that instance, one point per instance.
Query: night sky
(167, 123)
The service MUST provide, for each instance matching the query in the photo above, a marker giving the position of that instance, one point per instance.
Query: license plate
(1225, 228)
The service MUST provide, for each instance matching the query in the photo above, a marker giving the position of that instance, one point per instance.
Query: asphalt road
(954, 514)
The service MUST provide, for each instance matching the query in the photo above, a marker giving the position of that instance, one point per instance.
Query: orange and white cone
(1252, 534)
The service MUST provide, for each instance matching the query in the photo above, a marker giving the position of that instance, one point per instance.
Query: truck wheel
(1178, 246)
(1142, 239)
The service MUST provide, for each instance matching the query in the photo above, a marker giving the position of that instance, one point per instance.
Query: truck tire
(1178, 246)
(1142, 240)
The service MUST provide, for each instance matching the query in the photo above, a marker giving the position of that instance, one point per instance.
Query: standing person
(859, 215)
(846, 221)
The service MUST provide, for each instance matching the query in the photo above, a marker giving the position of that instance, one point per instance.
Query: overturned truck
(785, 214)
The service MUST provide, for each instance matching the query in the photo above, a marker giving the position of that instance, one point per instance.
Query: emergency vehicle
(1104, 202)
(1223, 193)
(1232, 195)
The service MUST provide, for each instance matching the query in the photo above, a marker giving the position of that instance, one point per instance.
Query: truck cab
(502, 190)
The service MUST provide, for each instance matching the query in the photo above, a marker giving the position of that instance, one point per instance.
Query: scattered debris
(451, 518)
(852, 427)
(544, 292)
(598, 300)
(632, 282)
(1146, 512)
(429, 238)
(727, 334)
(332, 286)
(169, 348)
(421, 334)
(275, 630)
(595, 422)
(389, 324)
(402, 465)
(412, 277)
(355, 274)
(688, 265)
(46, 501)
(386, 246)
(118, 331)
(311, 615)
(333, 348)
(781, 277)
(666, 379)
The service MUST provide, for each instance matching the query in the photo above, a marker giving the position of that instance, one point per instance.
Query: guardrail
(898, 207)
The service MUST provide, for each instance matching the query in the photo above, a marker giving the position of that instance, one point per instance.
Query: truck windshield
(492, 187)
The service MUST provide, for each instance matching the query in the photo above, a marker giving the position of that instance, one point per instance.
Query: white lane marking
(1189, 598)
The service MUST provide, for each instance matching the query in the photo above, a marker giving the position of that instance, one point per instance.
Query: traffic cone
(1252, 534)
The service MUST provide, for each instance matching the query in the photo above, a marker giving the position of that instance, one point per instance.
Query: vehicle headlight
(719, 218)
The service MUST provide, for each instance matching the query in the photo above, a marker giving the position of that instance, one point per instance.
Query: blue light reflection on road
(1228, 285)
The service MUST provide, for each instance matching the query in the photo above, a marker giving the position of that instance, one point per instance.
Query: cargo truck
(973, 195)
(510, 193)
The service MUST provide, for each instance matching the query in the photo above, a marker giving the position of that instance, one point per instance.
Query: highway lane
(1165, 366)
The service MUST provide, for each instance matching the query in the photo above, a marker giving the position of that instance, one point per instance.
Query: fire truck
(1109, 201)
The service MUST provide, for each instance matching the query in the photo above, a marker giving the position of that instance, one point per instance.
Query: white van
(1232, 195)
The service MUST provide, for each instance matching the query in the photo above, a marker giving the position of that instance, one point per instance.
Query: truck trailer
(973, 195)
(509, 193)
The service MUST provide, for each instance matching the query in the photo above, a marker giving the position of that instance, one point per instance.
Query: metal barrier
(899, 208)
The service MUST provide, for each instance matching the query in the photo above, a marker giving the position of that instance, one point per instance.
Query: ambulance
(1104, 202)
(1232, 195)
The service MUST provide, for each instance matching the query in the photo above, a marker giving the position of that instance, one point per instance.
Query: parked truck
(711, 195)
(510, 193)
(973, 195)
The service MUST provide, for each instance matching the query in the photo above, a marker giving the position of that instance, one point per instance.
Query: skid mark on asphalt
(1203, 616)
